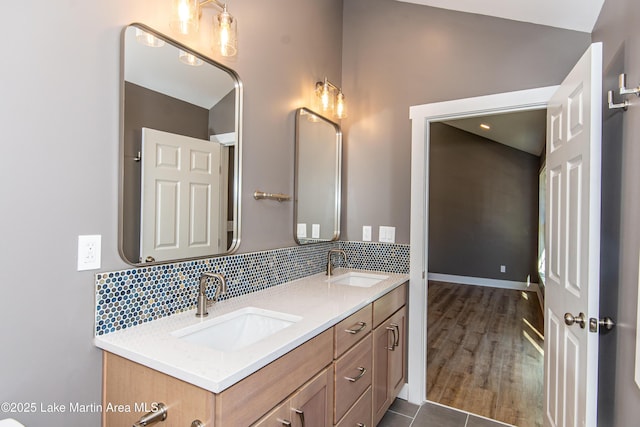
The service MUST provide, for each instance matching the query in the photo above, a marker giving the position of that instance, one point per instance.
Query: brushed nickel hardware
(580, 319)
(603, 325)
(284, 422)
(360, 425)
(159, 415)
(149, 259)
(300, 414)
(354, 331)
(392, 329)
(396, 335)
(197, 423)
(612, 106)
(203, 302)
(281, 197)
(329, 271)
(362, 370)
(623, 90)
(622, 84)
(138, 158)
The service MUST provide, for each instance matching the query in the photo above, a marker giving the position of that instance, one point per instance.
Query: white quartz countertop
(319, 303)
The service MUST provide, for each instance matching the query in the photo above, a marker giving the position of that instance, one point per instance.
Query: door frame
(421, 117)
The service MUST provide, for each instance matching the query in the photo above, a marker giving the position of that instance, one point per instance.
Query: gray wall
(396, 55)
(483, 207)
(60, 124)
(617, 28)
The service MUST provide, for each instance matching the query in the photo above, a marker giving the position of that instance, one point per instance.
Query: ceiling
(578, 15)
(524, 130)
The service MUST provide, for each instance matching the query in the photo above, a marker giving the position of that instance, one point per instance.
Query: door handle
(580, 319)
(393, 342)
(396, 335)
(300, 414)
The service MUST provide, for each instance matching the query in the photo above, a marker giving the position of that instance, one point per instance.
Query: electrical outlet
(89, 252)
(315, 231)
(366, 233)
(503, 269)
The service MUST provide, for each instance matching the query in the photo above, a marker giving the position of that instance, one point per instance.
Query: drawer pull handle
(362, 325)
(361, 425)
(159, 415)
(301, 415)
(393, 341)
(362, 372)
(284, 422)
(197, 423)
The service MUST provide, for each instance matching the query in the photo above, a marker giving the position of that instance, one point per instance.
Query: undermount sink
(236, 330)
(354, 278)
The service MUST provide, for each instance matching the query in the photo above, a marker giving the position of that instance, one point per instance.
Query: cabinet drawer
(352, 376)
(360, 413)
(351, 330)
(389, 304)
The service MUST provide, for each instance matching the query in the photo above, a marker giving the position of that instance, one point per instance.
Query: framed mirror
(318, 174)
(180, 152)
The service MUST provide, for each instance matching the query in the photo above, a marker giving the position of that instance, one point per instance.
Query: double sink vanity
(318, 350)
(327, 351)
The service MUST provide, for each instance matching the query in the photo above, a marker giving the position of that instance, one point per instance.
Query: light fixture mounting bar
(221, 5)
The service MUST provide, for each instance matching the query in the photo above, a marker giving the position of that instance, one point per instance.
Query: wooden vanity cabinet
(130, 390)
(368, 347)
(389, 350)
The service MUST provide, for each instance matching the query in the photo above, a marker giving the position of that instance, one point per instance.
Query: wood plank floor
(484, 352)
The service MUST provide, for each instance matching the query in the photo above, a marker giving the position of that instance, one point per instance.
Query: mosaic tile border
(130, 297)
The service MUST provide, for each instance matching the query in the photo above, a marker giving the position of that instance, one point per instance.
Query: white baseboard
(481, 281)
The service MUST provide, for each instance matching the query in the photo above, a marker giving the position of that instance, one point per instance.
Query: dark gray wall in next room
(483, 207)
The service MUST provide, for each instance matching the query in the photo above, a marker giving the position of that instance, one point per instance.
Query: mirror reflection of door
(183, 191)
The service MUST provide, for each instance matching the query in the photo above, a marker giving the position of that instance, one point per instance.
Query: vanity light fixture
(331, 99)
(186, 21)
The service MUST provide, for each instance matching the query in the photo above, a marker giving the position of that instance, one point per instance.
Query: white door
(181, 212)
(573, 245)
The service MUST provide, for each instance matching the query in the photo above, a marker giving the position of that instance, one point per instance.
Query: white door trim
(421, 117)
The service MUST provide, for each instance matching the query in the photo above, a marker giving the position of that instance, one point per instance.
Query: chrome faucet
(203, 302)
(329, 263)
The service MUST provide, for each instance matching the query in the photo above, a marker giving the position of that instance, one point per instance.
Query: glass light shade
(225, 34)
(325, 97)
(189, 59)
(147, 39)
(185, 16)
(341, 107)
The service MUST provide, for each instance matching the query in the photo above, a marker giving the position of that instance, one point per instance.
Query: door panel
(573, 236)
(181, 184)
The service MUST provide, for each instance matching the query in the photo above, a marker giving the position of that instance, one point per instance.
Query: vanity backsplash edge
(126, 298)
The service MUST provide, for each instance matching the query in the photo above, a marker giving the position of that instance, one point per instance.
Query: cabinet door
(312, 405)
(388, 362)
(397, 359)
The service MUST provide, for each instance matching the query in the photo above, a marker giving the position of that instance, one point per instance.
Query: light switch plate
(387, 234)
(89, 252)
(366, 233)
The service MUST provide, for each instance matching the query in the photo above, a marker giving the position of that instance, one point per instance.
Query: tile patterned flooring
(405, 414)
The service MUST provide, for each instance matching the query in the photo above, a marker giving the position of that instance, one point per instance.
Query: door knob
(580, 319)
